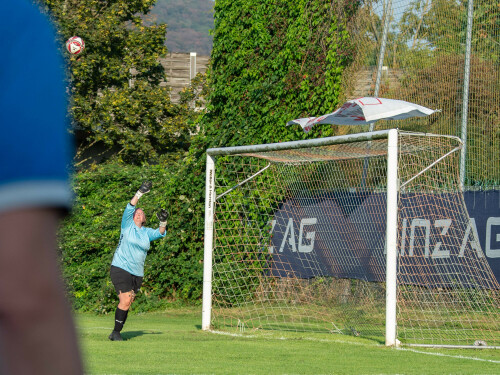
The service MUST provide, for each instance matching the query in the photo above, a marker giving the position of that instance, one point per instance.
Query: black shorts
(125, 281)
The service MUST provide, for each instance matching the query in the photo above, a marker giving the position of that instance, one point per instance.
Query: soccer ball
(75, 45)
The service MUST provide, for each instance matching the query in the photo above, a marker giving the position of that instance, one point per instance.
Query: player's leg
(126, 300)
(121, 314)
(122, 281)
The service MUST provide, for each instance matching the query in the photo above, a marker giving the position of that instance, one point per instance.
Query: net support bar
(391, 238)
(208, 243)
(430, 166)
(243, 182)
(358, 137)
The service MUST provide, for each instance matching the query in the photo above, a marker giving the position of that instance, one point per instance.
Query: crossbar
(350, 138)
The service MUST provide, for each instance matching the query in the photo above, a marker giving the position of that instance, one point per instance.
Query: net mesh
(299, 244)
(447, 293)
(426, 60)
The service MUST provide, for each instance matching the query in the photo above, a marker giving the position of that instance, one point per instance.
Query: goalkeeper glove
(145, 188)
(162, 216)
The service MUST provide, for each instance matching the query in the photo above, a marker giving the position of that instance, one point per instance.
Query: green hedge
(89, 236)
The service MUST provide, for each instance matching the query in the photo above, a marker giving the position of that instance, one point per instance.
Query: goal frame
(392, 215)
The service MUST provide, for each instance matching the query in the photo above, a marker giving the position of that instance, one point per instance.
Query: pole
(465, 98)
(391, 239)
(192, 65)
(208, 243)
(380, 64)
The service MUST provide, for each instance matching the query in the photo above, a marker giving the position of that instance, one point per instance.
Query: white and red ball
(75, 45)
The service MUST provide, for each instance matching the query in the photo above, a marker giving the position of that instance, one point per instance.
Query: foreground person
(37, 332)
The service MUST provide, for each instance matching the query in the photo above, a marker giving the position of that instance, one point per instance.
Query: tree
(441, 25)
(434, 75)
(116, 97)
(485, 31)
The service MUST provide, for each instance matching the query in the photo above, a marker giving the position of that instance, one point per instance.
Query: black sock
(120, 318)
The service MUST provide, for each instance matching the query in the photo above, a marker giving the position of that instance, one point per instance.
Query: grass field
(172, 342)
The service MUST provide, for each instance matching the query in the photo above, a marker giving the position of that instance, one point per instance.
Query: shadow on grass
(129, 335)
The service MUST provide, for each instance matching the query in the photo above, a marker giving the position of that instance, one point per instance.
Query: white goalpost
(364, 234)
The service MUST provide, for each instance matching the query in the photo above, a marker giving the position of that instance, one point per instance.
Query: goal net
(347, 235)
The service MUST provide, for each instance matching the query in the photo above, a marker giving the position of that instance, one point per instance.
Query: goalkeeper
(127, 267)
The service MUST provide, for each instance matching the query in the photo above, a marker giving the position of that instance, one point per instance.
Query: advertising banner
(343, 235)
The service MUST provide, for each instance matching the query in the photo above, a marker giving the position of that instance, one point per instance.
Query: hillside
(188, 21)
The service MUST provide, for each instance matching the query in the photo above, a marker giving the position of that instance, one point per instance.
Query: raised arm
(145, 188)
(162, 216)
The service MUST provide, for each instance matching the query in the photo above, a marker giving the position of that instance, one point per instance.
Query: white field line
(270, 336)
(359, 344)
(333, 341)
(111, 328)
(450, 356)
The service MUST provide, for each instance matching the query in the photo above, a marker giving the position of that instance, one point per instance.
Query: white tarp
(366, 110)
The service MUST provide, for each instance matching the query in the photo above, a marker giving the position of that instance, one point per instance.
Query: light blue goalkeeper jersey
(134, 244)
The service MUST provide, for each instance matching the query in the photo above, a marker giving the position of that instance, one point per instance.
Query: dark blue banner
(343, 235)
(484, 211)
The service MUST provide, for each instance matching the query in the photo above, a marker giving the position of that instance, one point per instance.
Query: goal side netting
(302, 236)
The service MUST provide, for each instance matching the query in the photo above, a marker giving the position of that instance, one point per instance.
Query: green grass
(172, 342)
